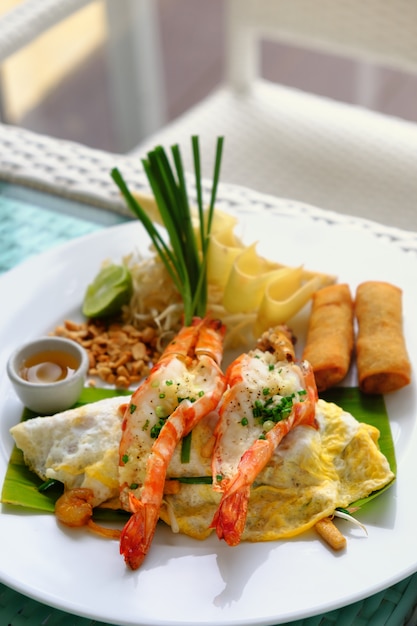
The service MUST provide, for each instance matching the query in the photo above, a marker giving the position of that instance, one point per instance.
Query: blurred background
(61, 84)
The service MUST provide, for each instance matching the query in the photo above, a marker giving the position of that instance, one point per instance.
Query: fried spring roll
(382, 359)
(330, 336)
(331, 534)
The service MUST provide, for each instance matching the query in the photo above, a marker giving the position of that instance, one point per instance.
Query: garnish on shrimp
(184, 386)
(268, 395)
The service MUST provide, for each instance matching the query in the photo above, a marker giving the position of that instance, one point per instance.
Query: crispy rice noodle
(156, 302)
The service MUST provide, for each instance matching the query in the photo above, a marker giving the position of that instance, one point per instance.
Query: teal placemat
(31, 223)
(26, 231)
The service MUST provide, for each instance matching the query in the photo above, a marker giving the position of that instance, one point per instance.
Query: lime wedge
(109, 291)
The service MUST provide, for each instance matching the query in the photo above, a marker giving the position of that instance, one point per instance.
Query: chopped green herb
(268, 425)
(201, 394)
(244, 421)
(160, 411)
(273, 410)
(345, 511)
(271, 367)
(162, 395)
(156, 428)
(132, 408)
(125, 458)
(179, 399)
(195, 480)
(169, 383)
(146, 425)
(51, 482)
(134, 486)
(186, 448)
(219, 478)
(257, 408)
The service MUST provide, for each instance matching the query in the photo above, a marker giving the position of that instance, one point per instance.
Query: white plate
(184, 581)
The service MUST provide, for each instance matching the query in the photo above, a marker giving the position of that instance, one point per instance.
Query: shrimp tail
(229, 519)
(138, 532)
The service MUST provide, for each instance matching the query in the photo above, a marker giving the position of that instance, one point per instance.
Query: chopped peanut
(119, 354)
(139, 350)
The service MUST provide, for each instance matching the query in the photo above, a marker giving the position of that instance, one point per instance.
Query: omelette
(78, 447)
(312, 471)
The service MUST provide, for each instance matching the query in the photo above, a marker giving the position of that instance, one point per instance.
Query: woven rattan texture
(66, 169)
(366, 166)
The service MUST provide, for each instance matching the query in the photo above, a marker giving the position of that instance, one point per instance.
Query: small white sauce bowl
(49, 397)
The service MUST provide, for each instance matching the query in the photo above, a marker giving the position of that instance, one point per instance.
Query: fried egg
(78, 447)
(311, 473)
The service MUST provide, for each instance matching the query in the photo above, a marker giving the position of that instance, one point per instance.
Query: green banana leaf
(21, 486)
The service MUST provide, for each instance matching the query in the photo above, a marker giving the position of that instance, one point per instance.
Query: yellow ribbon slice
(248, 278)
(285, 297)
(273, 293)
(223, 250)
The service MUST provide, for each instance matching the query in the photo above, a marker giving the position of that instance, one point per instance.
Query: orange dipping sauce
(49, 366)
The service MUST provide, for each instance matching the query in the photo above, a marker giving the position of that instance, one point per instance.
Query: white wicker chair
(279, 141)
(288, 143)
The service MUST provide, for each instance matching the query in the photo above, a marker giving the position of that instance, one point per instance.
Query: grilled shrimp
(268, 395)
(185, 385)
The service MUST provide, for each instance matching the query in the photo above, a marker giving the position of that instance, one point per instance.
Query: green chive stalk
(185, 258)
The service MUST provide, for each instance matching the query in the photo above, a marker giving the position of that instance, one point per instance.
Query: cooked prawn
(185, 385)
(75, 509)
(269, 394)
